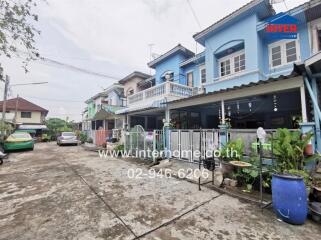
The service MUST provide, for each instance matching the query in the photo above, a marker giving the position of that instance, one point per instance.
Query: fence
(141, 143)
(101, 136)
(183, 143)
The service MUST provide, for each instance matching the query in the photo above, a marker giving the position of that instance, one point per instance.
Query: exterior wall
(114, 99)
(245, 31)
(171, 64)
(132, 83)
(257, 65)
(36, 117)
(91, 109)
(195, 68)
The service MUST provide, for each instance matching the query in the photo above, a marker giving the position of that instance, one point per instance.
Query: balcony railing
(164, 89)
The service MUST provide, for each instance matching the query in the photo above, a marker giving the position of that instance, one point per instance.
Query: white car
(67, 138)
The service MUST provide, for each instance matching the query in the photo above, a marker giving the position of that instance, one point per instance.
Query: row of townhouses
(248, 76)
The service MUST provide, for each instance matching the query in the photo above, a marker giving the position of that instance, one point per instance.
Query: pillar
(223, 135)
(316, 116)
(303, 104)
(167, 131)
(223, 112)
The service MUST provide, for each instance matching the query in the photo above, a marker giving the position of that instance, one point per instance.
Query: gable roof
(134, 74)
(237, 13)
(177, 49)
(116, 87)
(22, 105)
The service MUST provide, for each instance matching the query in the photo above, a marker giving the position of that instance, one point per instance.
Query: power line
(56, 100)
(194, 14)
(56, 63)
(79, 69)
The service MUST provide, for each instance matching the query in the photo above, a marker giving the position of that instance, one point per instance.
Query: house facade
(147, 106)
(23, 112)
(256, 71)
(259, 68)
(25, 115)
(100, 111)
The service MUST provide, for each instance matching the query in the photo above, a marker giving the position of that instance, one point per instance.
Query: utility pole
(16, 110)
(5, 94)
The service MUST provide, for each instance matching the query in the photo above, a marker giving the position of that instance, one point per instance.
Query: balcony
(170, 90)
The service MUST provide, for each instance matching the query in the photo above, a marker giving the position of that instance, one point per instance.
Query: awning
(34, 127)
(103, 114)
(143, 107)
(26, 130)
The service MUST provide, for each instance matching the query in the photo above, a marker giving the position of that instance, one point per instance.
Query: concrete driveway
(68, 193)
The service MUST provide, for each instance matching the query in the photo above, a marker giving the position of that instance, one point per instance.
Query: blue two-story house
(259, 68)
(253, 77)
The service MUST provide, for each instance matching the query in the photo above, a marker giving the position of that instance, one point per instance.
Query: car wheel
(1, 161)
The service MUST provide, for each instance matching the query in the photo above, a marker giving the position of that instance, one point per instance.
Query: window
(189, 77)
(203, 74)
(225, 68)
(290, 51)
(130, 91)
(276, 56)
(283, 52)
(239, 63)
(232, 63)
(25, 114)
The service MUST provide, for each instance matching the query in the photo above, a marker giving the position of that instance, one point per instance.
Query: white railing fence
(166, 88)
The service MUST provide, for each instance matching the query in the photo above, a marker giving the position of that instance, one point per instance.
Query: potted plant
(232, 151)
(289, 193)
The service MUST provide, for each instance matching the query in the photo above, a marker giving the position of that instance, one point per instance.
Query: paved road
(68, 193)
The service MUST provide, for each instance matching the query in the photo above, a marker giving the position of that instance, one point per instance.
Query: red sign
(281, 28)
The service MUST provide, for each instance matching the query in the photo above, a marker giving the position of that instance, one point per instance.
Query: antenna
(150, 55)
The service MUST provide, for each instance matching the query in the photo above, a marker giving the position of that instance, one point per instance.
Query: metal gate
(143, 144)
(184, 143)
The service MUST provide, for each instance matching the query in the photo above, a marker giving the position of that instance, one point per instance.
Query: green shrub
(83, 137)
(237, 147)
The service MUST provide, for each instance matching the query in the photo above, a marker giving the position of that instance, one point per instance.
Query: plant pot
(233, 183)
(226, 167)
(227, 181)
(249, 187)
(317, 194)
(209, 164)
(315, 211)
(289, 198)
(308, 150)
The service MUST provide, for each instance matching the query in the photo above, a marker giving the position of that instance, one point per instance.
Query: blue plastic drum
(289, 198)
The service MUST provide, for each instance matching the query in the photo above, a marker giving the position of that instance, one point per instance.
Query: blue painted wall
(170, 64)
(241, 34)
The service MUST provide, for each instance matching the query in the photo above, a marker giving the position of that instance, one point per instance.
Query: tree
(56, 125)
(17, 32)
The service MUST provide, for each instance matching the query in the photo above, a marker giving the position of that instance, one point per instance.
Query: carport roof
(251, 84)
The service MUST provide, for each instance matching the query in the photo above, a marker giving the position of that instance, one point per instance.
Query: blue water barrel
(289, 198)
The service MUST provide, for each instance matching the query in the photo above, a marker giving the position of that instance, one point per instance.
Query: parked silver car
(67, 138)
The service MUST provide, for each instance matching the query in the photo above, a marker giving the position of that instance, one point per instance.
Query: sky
(110, 37)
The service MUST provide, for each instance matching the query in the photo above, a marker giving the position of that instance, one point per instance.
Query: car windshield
(68, 134)
(20, 135)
